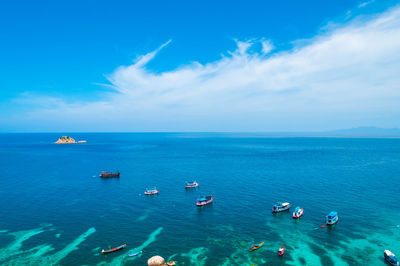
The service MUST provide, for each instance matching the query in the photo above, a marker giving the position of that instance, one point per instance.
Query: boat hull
(332, 221)
(192, 186)
(151, 193)
(109, 175)
(277, 209)
(113, 249)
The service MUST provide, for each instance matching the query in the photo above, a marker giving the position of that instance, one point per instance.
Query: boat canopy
(297, 209)
(332, 214)
(285, 203)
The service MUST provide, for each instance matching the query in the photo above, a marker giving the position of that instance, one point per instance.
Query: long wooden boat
(113, 249)
(191, 184)
(280, 207)
(151, 191)
(204, 200)
(256, 246)
(106, 174)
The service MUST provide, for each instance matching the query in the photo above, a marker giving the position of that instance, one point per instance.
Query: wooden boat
(151, 191)
(256, 246)
(280, 207)
(298, 212)
(281, 251)
(204, 200)
(390, 258)
(332, 218)
(191, 184)
(106, 174)
(113, 249)
(134, 254)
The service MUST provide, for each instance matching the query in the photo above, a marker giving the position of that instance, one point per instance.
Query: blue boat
(280, 207)
(390, 258)
(134, 254)
(332, 218)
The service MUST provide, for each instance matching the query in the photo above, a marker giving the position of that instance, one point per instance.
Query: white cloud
(267, 46)
(345, 78)
(364, 4)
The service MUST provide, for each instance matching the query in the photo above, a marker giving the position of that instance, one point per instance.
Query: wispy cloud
(344, 78)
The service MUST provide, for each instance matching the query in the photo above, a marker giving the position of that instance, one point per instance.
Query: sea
(56, 210)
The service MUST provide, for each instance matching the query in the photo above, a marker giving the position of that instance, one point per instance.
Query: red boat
(106, 174)
(298, 212)
(113, 249)
(204, 200)
(281, 251)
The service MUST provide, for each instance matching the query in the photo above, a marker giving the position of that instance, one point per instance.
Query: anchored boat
(298, 212)
(256, 246)
(390, 258)
(280, 207)
(281, 251)
(151, 191)
(332, 218)
(204, 200)
(113, 249)
(134, 254)
(106, 174)
(191, 184)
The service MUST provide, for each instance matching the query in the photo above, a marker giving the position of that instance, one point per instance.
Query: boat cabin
(332, 218)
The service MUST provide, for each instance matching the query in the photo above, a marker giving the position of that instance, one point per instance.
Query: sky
(162, 66)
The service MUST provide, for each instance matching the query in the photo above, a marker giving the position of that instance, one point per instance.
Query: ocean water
(54, 209)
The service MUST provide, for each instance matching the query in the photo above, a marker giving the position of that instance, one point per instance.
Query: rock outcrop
(65, 140)
(68, 140)
(156, 261)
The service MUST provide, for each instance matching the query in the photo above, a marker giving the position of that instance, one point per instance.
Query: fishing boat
(204, 200)
(281, 251)
(332, 218)
(113, 249)
(298, 212)
(134, 254)
(390, 258)
(191, 184)
(151, 191)
(256, 246)
(106, 174)
(280, 207)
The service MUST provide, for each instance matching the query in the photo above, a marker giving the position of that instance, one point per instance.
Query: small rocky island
(68, 140)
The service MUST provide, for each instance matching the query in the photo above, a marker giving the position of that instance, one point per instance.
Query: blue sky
(99, 65)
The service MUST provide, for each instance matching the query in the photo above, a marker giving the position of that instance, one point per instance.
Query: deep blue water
(55, 209)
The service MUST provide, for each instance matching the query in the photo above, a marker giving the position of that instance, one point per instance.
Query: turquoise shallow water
(55, 210)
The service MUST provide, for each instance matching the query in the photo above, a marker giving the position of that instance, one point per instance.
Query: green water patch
(13, 254)
(196, 256)
(58, 235)
(144, 216)
(123, 258)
